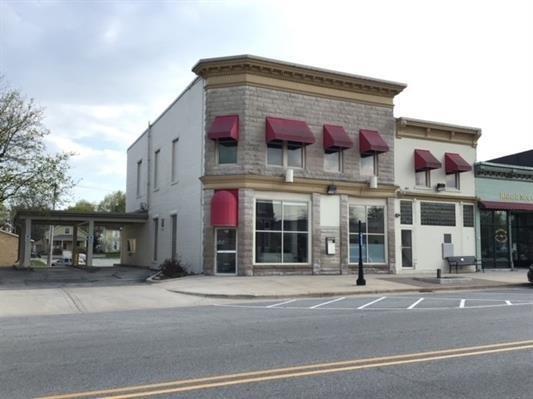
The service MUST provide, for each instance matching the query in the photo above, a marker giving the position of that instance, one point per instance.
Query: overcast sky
(103, 69)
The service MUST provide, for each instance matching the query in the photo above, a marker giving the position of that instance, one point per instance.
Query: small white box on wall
(330, 245)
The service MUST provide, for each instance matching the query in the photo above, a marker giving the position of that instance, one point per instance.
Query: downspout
(148, 165)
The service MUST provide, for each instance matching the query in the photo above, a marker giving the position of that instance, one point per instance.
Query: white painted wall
(427, 240)
(404, 165)
(183, 120)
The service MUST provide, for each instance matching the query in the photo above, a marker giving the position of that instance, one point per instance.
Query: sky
(103, 69)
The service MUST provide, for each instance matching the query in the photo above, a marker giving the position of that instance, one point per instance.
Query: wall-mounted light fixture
(397, 215)
(332, 189)
(440, 187)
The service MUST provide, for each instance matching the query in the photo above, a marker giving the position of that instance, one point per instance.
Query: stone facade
(253, 105)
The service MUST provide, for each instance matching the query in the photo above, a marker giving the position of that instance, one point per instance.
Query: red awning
(424, 160)
(505, 206)
(224, 128)
(278, 129)
(454, 163)
(336, 138)
(224, 209)
(371, 142)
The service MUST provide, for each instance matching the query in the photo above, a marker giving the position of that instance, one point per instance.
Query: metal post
(75, 245)
(26, 260)
(51, 231)
(90, 243)
(361, 278)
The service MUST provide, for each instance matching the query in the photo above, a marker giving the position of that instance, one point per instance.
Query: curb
(349, 293)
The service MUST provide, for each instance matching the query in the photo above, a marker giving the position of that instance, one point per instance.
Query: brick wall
(8, 248)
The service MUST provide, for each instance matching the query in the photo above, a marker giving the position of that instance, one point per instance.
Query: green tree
(82, 206)
(114, 202)
(30, 177)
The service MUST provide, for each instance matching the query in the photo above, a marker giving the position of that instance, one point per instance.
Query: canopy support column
(90, 244)
(75, 245)
(26, 244)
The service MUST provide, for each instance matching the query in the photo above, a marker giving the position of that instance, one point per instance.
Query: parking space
(458, 301)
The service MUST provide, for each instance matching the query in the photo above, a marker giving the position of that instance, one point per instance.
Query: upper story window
(138, 178)
(369, 165)
(455, 165)
(335, 141)
(174, 163)
(286, 139)
(226, 151)
(423, 178)
(425, 162)
(371, 144)
(333, 161)
(156, 169)
(67, 230)
(453, 180)
(285, 154)
(225, 132)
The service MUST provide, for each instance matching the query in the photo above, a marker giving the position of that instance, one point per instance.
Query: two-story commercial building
(267, 167)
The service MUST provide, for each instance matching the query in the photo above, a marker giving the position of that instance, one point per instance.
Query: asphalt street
(63, 354)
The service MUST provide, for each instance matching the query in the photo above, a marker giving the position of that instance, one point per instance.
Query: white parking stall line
(416, 303)
(325, 303)
(280, 303)
(508, 303)
(462, 304)
(371, 303)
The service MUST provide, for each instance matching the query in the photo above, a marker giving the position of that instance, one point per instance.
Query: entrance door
(407, 248)
(226, 251)
(494, 239)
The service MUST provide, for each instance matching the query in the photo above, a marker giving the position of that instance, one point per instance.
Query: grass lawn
(38, 263)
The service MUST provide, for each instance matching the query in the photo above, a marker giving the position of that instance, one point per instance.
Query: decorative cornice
(296, 73)
(300, 185)
(436, 131)
(501, 171)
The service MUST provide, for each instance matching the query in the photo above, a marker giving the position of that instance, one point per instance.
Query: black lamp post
(360, 277)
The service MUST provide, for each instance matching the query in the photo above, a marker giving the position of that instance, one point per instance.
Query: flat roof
(70, 217)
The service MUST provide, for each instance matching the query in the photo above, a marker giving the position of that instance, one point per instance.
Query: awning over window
(224, 209)
(454, 163)
(424, 160)
(278, 129)
(505, 206)
(336, 138)
(224, 128)
(371, 142)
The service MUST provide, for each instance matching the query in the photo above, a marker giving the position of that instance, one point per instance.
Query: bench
(460, 261)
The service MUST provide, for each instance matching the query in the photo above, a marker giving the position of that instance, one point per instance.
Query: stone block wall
(254, 104)
(8, 248)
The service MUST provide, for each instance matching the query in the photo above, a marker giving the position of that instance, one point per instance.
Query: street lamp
(360, 277)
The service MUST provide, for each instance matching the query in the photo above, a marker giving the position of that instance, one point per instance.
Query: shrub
(172, 268)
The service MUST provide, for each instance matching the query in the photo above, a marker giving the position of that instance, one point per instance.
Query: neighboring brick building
(9, 243)
(266, 167)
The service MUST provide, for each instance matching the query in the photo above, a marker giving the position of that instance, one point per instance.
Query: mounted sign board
(330, 245)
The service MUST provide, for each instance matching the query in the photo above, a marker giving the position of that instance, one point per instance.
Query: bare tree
(29, 175)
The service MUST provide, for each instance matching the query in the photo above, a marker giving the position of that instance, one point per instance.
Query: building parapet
(437, 131)
(501, 171)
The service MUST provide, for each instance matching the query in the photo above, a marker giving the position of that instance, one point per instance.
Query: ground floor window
(373, 233)
(407, 248)
(281, 231)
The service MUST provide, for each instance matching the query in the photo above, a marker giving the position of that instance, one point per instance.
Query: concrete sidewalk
(234, 287)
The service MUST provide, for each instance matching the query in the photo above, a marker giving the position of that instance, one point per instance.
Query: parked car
(530, 274)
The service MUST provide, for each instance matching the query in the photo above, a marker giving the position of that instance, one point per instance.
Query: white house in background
(436, 198)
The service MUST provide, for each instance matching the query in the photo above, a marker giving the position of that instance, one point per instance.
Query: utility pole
(51, 230)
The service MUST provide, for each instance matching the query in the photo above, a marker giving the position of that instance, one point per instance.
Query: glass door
(407, 248)
(226, 251)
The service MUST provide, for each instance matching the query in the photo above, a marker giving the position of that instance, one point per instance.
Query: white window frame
(217, 156)
(285, 157)
(174, 162)
(157, 154)
(286, 198)
(385, 234)
(428, 179)
(457, 178)
(341, 162)
(375, 165)
(236, 251)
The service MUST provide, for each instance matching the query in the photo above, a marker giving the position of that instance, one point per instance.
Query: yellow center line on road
(293, 372)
